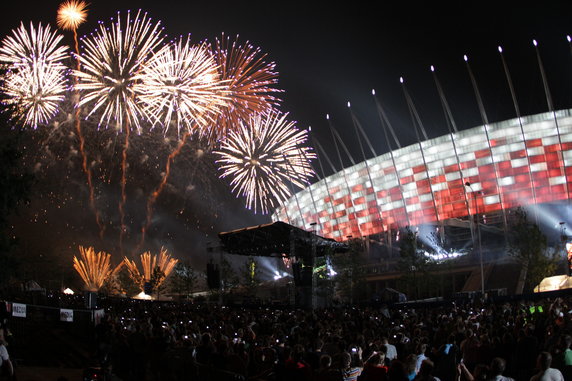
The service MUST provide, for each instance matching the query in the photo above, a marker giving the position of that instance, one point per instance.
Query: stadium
(442, 187)
(482, 170)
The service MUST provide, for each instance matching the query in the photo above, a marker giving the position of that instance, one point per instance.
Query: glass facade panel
(349, 205)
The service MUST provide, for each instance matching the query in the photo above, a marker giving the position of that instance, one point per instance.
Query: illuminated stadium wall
(424, 183)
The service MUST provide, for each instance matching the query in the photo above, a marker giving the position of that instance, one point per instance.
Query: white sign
(18, 310)
(98, 315)
(66, 315)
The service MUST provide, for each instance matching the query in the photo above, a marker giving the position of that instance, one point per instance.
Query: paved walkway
(48, 374)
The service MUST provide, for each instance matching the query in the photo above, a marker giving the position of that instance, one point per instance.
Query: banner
(18, 310)
(66, 315)
(98, 315)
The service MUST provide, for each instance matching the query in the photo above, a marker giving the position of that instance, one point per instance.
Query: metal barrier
(47, 336)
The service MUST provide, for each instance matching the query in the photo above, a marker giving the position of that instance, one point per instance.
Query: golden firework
(71, 14)
(94, 268)
(149, 263)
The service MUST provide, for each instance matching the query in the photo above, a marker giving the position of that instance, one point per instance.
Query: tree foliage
(528, 246)
(229, 277)
(350, 267)
(250, 274)
(325, 282)
(124, 283)
(156, 282)
(417, 270)
(183, 279)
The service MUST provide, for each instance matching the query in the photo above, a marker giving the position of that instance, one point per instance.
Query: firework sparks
(250, 80)
(37, 44)
(180, 85)
(262, 157)
(35, 91)
(71, 14)
(121, 205)
(111, 70)
(149, 263)
(111, 67)
(153, 198)
(94, 269)
(133, 272)
(35, 82)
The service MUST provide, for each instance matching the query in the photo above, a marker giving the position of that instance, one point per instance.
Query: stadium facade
(485, 170)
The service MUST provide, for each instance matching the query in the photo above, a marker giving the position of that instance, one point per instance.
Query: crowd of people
(468, 341)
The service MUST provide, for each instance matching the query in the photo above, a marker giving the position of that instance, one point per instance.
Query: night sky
(326, 55)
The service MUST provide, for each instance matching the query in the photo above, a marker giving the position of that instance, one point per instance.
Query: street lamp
(468, 185)
(314, 249)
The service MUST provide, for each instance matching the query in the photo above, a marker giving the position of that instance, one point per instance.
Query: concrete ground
(48, 374)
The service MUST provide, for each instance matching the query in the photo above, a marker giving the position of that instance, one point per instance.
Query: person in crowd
(546, 373)
(420, 356)
(397, 371)
(391, 350)
(470, 349)
(411, 366)
(374, 368)
(567, 353)
(446, 359)
(146, 340)
(6, 367)
(326, 372)
(350, 366)
(497, 368)
(426, 371)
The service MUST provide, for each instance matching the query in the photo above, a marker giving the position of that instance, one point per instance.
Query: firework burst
(34, 45)
(110, 72)
(149, 263)
(250, 80)
(94, 269)
(35, 81)
(111, 68)
(71, 14)
(180, 85)
(262, 157)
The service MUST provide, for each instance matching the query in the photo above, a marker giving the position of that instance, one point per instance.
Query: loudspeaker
(306, 277)
(296, 267)
(213, 276)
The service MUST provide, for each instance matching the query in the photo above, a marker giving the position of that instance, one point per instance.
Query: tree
(528, 246)
(325, 281)
(157, 280)
(350, 278)
(415, 267)
(250, 275)
(183, 279)
(126, 284)
(229, 278)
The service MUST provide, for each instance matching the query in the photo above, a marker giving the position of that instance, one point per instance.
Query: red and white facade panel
(510, 163)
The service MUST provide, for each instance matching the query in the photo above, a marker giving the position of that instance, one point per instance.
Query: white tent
(553, 283)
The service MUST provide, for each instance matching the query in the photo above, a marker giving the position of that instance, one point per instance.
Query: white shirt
(549, 374)
(420, 359)
(391, 351)
(3, 354)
